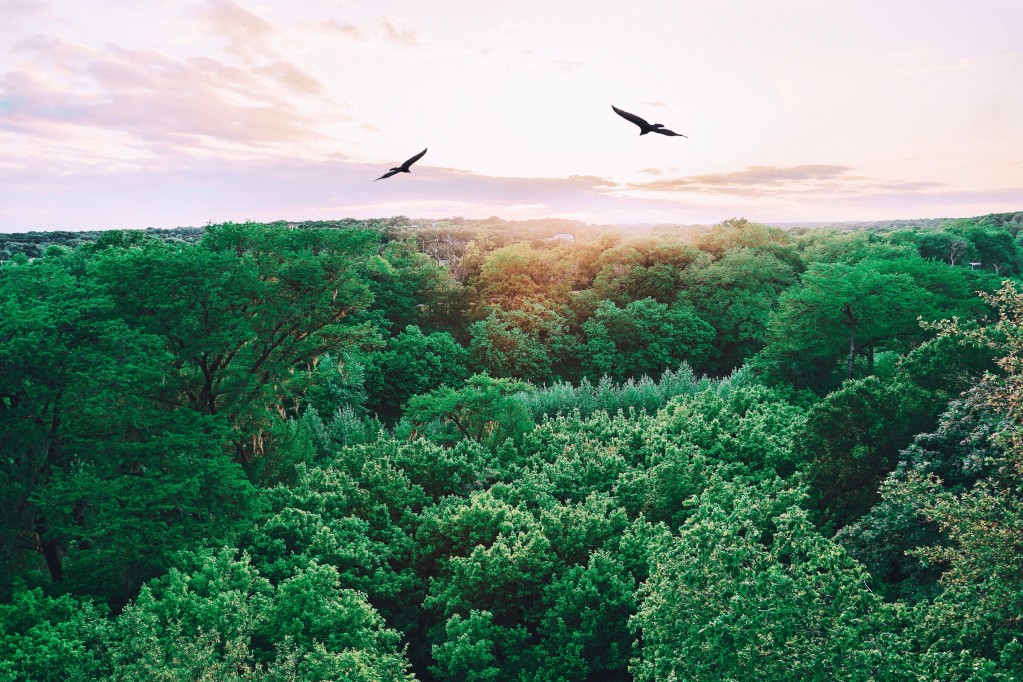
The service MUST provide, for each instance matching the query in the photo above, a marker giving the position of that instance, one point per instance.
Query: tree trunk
(51, 554)
(852, 337)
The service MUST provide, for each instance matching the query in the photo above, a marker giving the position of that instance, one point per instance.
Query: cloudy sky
(171, 112)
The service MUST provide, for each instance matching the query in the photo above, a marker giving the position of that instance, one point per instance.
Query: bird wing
(669, 133)
(631, 117)
(387, 175)
(415, 158)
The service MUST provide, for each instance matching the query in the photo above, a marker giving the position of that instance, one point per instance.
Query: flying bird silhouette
(645, 127)
(403, 168)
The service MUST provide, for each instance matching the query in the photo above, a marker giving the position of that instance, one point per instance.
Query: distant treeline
(442, 237)
(1009, 221)
(34, 244)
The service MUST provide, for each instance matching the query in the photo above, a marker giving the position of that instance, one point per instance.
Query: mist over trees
(486, 450)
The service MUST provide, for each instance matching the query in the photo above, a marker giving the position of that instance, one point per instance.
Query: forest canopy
(486, 450)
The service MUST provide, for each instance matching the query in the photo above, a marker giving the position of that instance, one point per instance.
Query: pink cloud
(388, 31)
(399, 36)
(752, 176)
(287, 74)
(245, 32)
(157, 99)
(346, 29)
(804, 179)
(22, 11)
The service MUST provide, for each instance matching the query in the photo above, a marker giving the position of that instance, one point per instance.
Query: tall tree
(736, 295)
(842, 309)
(101, 473)
(971, 629)
(643, 338)
(750, 590)
(484, 410)
(529, 342)
(239, 311)
(415, 363)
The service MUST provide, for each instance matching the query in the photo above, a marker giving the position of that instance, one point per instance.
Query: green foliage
(534, 595)
(101, 478)
(965, 241)
(852, 439)
(238, 311)
(644, 394)
(414, 363)
(961, 450)
(344, 427)
(337, 382)
(829, 246)
(643, 338)
(744, 592)
(752, 426)
(514, 274)
(525, 343)
(644, 268)
(843, 310)
(326, 517)
(261, 456)
(739, 233)
(119, 520)
(736, 295)
(470, 648)
(45, 638)
(485, 410)
(971, 627)
(406, 283)
(222, 620)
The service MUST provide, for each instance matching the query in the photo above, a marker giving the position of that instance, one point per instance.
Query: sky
(176, 113)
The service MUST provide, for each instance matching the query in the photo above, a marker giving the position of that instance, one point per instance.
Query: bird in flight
(403, 168)
(645, 127)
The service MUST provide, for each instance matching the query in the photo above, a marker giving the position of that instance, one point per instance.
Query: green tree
(410, 287)
(222, 620)
(852, 439)
(739, 232)
(996, 249)
(336, 381)
(963, 449)
(56, 342)
(52, 639)
(526, 343)
(513, 274)
(239, 311)
(842, 309)
(750, 590)
(736, 295)
(101, 479)
(833, 246)
(643, 338)
(644, 268)
(485, 410)
(523, 594)
(414, 363)
(971, 628)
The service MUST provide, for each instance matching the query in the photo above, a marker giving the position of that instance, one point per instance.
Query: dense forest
(484, 450)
